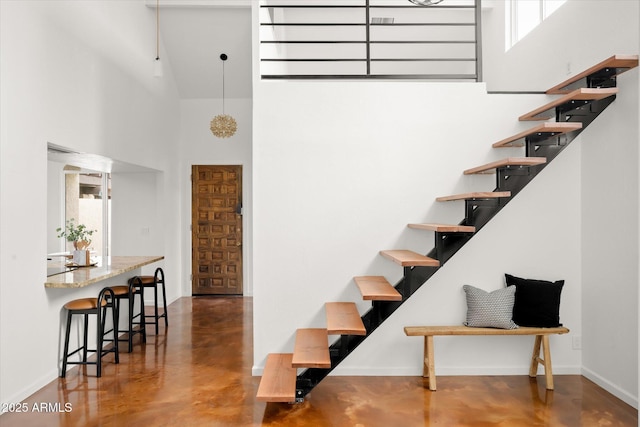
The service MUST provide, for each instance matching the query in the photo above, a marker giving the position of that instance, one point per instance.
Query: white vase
(81, 257)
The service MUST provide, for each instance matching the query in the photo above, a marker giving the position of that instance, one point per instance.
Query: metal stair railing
(370, 39)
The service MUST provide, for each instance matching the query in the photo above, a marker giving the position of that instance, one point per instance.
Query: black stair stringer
(477, 213)
(514, 179)
(374, 317)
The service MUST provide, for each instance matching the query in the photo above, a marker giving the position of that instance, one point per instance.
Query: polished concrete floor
(198, 373)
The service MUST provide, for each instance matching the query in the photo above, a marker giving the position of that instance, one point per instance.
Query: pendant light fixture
(425, 2)
(157, 65)
(223, 125)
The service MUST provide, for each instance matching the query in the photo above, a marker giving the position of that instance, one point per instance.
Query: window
(88, 201)
(524, 15)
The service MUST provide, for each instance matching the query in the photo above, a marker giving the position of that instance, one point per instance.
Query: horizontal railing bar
(515, 92)
(360, 24)
(425, 24)
(369, 76)
(313, 60)
(423, 41)
(353, 6)
(364, 59)
(314, 41)
(315, 6)
(451, 6)
(316, 24)
(422, 59)
(364, 42)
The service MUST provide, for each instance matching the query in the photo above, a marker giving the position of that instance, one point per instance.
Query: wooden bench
(541, 343)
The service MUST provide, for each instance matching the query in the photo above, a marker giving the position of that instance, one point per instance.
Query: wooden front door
(216, 224)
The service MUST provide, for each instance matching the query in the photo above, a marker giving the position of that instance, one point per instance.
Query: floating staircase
(582, 99)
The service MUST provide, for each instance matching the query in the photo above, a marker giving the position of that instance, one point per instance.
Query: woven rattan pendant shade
(223, 125)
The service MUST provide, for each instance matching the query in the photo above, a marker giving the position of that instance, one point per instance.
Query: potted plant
(80, 236)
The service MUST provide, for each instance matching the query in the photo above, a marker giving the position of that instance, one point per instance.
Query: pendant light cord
(223, 86)
(157, 30)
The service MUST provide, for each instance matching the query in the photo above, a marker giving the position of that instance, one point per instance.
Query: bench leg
(548, 372)
(542, 341)
(429, 370)
(535, 357)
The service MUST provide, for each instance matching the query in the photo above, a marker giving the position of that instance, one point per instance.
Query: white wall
(578, 35)
(55, 205)
(610, 253)
(609, 170)
(198, 146)
(349, 164)
(340, 169)
(70, 77)
(138, 217)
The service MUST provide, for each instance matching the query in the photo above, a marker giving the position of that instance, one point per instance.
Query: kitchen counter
(107, 267)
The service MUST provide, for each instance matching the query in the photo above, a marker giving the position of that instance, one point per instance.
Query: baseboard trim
(448, 371)
(621, 394)
(451, 371)
(32, 388)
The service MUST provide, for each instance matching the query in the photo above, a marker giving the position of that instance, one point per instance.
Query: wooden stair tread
(407, 258)
(509, 161)
(311, 349)
(445, 228)
(622, 62)
(475, 195)
(583, 94)
(377, 288)
(343, 319)
(278, 382)
(552, 128)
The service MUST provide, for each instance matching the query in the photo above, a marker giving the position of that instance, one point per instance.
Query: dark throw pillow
(537, 302)
(490, 309)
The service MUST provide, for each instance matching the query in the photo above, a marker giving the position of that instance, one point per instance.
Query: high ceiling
(195, 33)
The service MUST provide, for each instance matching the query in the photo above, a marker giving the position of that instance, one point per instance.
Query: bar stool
(85, 307)
(129, 293)
(153, 282)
